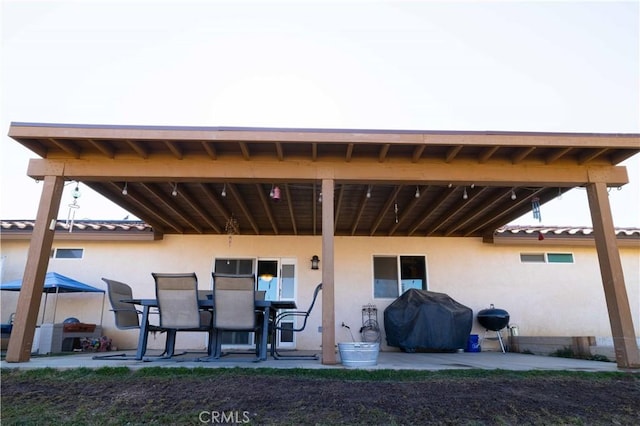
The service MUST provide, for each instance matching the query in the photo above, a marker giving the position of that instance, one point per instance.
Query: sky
(553, 66)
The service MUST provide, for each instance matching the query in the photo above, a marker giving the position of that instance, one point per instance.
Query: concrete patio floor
(386, 360)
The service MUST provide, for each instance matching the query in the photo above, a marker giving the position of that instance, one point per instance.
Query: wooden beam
(328, 274)
(292, 214)
(233, 191)
(104, 147)
(279, 151)
(67, 147)
(384, 150)
(417, 153)
(522, 154)
(452, 152)
(134, 204)
(169, 204)
(436, 172)
(557, 154)
(338, 208)
(349, 154)
(202, 212)
(175, 149)
(337, 136)
(21, 340)
(487, 154)
(431, 208)
(471, 194)
(267, 208)
(139, 148)
(624, 338)
(488, 206)
(383, 211)
(244, 148)
(210, 148)
(591, 154)
(213, 198)
(361, 206)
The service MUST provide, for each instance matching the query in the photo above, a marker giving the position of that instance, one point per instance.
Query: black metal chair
(289, 319)
(126, 315)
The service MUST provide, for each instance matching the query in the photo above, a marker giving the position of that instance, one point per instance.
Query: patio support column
(328, 298)
(624, 339)
(19, 349)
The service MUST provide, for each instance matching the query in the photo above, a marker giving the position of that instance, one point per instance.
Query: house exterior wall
(543, 299)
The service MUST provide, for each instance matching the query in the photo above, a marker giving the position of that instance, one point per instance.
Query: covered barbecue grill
(426, 320)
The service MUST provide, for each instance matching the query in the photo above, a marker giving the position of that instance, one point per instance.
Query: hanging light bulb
(369, 191)
(417, 194)
(473, 185)
(513, 194)
(271, 193)
(124, 189)
(450, 185)
(175, 189)
(224, 190)
(464, 194)
(320, 197)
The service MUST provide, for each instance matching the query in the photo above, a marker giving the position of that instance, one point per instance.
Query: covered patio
(326, 183)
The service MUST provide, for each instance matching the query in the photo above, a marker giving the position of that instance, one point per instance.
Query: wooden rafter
(171, 205)
(266, 208)
(175, 149)
(139, 148)
(233, 191)
(104, 147)
(66, 147)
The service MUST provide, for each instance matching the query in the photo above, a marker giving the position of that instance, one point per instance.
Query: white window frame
(545, 258)
(55, 251)
(398, 258)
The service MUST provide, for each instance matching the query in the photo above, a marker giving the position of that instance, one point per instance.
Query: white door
(277, 278)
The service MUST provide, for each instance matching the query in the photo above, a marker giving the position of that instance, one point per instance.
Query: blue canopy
(55, 283)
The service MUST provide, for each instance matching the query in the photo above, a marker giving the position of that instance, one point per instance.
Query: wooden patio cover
(193, 180)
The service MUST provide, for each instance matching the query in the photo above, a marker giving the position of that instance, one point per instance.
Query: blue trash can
(473, 343)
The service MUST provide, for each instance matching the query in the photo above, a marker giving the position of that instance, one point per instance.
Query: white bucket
(359, 354)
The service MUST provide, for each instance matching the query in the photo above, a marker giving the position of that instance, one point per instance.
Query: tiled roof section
(562, 231)
(80, 226)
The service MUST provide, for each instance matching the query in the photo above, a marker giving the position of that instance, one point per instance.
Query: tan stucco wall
(542, 299)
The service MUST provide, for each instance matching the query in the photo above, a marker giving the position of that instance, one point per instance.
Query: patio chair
(177, 296)
(234, 309)
(286, 322)
(126, 315)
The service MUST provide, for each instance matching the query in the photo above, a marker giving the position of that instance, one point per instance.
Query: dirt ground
(260, 399)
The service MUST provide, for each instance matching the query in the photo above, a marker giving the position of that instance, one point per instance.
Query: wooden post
(615, 292)
(328, 294)
(19, 349)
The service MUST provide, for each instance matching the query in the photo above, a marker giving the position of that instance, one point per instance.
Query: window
(559, 257)
(67, 253)
(532, 258)
(393, 275)
(546, 257)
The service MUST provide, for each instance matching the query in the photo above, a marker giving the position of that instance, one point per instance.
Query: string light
(464, 194)
(124, 190)
(175, 189)
(369, 191)
(417, 194)
(224, 190)
(513, 194)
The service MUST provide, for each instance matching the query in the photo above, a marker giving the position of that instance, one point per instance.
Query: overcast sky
(420, 65)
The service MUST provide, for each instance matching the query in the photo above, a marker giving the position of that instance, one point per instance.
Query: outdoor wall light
(315, 261)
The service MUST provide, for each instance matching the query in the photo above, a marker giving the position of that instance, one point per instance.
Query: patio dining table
(270, 306)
